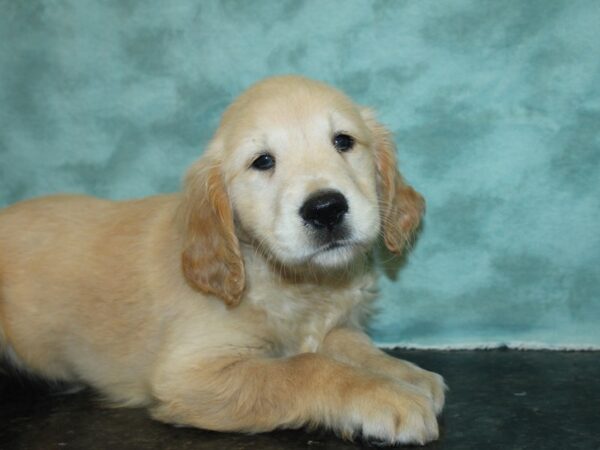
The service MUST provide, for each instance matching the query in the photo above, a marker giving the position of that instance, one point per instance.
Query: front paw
(433, 386)
(429, 383)
(391, 413)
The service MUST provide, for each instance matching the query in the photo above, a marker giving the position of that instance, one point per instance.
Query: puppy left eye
(343, 142)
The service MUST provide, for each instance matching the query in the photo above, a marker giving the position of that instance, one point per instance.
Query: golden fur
(211, 307)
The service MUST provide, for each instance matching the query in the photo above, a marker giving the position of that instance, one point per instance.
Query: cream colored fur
(212, 307)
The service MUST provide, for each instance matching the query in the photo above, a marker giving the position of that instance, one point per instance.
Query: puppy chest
(297, 322)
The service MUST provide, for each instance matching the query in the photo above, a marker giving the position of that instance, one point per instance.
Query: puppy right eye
(265, 161)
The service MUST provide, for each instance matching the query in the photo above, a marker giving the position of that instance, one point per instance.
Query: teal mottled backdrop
(495, 107)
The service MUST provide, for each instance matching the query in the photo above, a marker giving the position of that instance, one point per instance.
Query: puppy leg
(260, 394)
(355, 348)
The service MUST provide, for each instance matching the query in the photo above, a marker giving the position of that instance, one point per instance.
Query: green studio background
(495, 107)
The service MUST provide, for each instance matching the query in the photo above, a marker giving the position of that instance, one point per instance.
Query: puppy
(236, 305)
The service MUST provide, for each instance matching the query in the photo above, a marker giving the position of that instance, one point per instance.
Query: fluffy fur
(215, 307)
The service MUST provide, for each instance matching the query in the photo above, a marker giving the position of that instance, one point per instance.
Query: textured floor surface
(498, 400)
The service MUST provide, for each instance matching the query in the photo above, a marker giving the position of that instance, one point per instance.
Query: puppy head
(302, 174)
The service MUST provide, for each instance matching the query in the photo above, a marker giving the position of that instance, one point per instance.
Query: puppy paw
(391, 413)
(433, 385)
(429, 383)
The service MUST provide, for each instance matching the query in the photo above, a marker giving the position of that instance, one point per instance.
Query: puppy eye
(265, 161)
(343, 142)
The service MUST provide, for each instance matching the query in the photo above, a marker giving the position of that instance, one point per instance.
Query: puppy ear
(211, 257)
(401, 207)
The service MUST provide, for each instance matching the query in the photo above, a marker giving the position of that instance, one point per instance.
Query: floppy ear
(401, 207)
(211, 257)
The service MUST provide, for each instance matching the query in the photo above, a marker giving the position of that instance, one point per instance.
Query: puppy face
(302, 174)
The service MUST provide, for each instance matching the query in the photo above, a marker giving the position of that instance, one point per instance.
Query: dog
(236, 305)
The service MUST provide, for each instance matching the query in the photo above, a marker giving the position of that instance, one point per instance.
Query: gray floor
(498, 400)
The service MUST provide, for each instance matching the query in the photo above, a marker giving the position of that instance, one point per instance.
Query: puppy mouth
(334, 245)
(337, 253)
(345, 244)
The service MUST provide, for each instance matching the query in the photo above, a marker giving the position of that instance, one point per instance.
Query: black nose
(324, 209)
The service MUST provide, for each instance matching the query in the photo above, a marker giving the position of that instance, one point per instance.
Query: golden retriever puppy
(236, 305)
